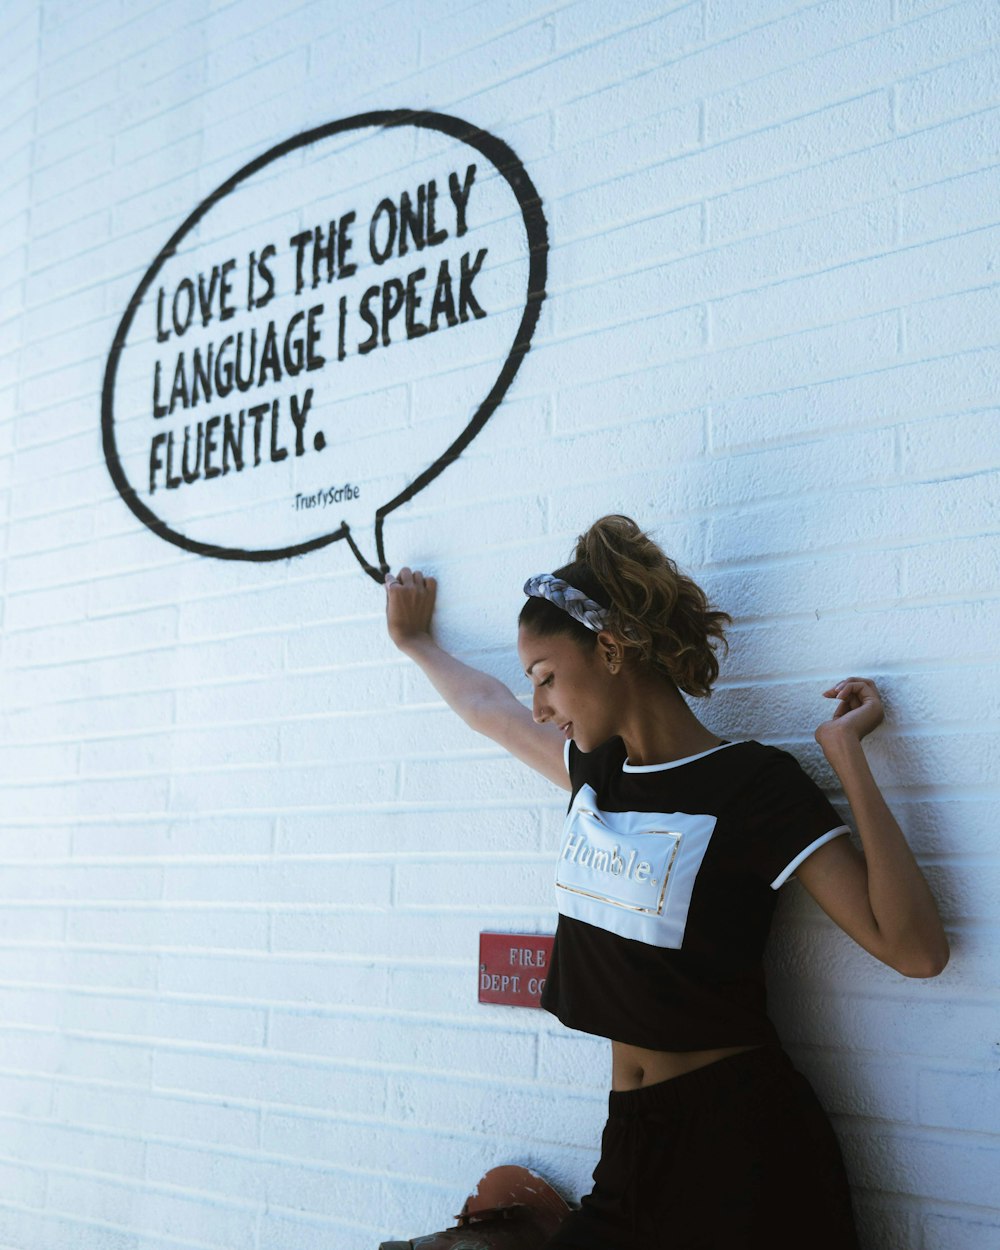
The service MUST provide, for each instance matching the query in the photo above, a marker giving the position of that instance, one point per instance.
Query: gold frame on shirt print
(603, 898)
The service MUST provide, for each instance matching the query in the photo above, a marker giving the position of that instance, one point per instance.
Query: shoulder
(763, 777)
(779, 792)
(744, 763)
(730, 779)
(763, 762)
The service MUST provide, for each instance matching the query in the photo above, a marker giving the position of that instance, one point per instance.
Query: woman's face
(573, 688)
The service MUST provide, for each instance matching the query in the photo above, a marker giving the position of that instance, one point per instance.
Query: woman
(675, 844)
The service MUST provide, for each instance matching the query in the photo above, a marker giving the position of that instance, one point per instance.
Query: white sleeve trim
(789, 871)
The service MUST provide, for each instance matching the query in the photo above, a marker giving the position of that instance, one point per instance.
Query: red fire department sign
(513, 967)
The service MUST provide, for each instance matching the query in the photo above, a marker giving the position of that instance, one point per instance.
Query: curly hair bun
(656, 610)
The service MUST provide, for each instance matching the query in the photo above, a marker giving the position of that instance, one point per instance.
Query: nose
(539, 709)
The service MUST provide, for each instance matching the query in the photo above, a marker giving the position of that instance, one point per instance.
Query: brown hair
(656, 612)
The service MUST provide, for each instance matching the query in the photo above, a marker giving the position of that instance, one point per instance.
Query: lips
(567, 729)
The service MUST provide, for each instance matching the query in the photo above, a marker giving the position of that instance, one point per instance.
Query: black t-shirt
(666, 885)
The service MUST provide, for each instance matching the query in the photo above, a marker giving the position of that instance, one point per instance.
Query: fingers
(851, 685)
(408, 577)
(859, 710)
(853, 695)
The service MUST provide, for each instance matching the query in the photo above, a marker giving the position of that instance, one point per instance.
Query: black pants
(738, 1155)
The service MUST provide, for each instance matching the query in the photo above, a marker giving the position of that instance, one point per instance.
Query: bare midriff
(632, 1067)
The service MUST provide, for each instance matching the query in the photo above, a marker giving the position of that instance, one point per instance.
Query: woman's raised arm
(881, 897)
(484, 703)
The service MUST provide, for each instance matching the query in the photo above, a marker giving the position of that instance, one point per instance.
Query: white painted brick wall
(246, 853)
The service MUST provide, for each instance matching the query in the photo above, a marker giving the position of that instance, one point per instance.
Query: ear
(610, 650)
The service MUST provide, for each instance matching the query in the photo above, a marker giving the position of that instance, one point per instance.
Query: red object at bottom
(513, 967)
(510, 1209)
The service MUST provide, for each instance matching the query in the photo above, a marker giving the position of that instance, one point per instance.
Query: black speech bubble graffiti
(506, 163)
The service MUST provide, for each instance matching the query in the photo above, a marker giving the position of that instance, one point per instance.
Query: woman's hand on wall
(409, 606)
(857, 714)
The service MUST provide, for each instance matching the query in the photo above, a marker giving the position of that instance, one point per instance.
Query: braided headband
(567, 597)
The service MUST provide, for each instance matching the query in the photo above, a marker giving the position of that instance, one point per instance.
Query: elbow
(925, 964)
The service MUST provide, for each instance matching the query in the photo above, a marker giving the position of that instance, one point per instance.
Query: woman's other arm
(484, 703)
(881, 897)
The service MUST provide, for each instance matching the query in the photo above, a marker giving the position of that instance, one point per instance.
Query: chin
(587, 743)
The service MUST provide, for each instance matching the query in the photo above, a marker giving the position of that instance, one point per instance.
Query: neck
(657, 726)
